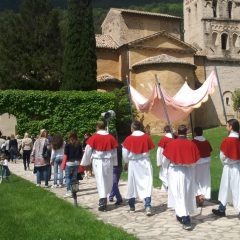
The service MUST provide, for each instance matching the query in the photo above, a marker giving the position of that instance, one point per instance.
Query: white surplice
(102, 163)
(182, 189)
(229, 191)
(202, 174)
(140, 173)
(163, 163)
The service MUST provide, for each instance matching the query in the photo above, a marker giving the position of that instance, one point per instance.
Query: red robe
(181, 151)
(101, 142)
(231, 148)
(138, 144)
(204, 148)
(164, 141)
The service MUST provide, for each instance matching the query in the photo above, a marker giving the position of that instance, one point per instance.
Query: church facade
(213, 27)
(141, 45)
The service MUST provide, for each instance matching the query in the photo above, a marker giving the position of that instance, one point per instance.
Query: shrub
(55, 111)
(236, 99)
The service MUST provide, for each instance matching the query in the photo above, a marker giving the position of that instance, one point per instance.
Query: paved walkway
(162, 225)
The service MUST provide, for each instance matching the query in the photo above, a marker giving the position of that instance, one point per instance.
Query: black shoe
(118, 202)
(179, 219)
(187, 226)
(110, 199)
(218, 213)
(132, 209)
(102, 208)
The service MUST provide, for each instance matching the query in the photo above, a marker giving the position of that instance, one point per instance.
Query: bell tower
(213, 26)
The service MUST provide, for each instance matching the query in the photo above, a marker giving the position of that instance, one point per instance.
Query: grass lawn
(215, 137)
(28, 212)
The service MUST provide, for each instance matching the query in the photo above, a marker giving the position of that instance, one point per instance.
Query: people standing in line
(6, 172)
(40, 163)
(229, 191)
(86, 171)
(182, 155)
(27, 148)
(117, 170)
(202, 170)
(6, 145)
(136, 148)
(56, 159)
(13, 148)
(19, 152)
(161, 160)
(101, 151)
(72, 157)
(2, 143)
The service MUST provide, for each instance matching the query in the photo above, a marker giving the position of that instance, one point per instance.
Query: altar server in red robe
(182, 155)
(161, 159)
(101, 151)
(202, 171)
(229, 191)
(136, 154)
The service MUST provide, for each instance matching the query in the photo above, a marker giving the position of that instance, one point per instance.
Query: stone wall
(8, 124)
(126, 27)
(108, 62)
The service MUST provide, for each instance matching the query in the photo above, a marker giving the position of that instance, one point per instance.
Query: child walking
(6, 171)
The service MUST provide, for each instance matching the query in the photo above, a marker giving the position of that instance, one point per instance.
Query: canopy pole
(129, 96)
(221, 95)
(191, 122)
(164, 104)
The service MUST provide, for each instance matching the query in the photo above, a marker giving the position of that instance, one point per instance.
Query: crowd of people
(184, 166)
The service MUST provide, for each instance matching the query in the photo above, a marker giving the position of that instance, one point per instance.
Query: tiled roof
(146, 13)
(163, 58)
(106, 77)
(166, 34)
(105, 41)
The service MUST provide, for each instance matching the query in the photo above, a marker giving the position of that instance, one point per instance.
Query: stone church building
(141, 44)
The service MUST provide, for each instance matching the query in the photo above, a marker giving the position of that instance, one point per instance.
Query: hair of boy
(136, 125)
(101, 125)
(182, 130)
(167, 129)
(234, 124)
(198, 131)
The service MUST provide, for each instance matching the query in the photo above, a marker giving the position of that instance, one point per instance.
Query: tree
(80, 48)
(31, 48)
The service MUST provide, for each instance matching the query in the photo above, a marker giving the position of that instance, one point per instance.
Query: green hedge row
(56, 111)
(236, 99)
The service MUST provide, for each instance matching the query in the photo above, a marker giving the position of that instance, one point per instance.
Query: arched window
(214, 7)
(227, 101)
(236, 40)
(230, 9)
(224, 41)
(215, 39)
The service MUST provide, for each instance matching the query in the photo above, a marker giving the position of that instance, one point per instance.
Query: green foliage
(55, 111)
(31, 47)
(80, 61)
(236, 99)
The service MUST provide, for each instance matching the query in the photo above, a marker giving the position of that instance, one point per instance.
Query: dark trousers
(131, 202)
(26, 158)
(42, 171)
(115, 190)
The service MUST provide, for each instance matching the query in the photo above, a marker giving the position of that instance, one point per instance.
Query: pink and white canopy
(178, 106)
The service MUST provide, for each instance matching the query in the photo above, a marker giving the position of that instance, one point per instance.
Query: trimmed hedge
(56, 111)
(236, 99)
